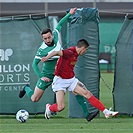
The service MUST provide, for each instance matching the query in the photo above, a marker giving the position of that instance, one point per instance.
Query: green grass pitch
(62, 124)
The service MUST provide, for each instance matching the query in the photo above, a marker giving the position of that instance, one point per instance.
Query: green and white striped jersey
(44, 50)
(49, 66)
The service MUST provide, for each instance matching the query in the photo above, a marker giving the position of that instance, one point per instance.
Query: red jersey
(65, 64)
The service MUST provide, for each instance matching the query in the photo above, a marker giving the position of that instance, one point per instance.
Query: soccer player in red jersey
(65, 80)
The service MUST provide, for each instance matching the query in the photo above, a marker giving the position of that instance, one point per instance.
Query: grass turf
(61, 122)
(67, 125)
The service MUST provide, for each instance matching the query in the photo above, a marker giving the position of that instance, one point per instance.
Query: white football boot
(47, 111)
(111, 113)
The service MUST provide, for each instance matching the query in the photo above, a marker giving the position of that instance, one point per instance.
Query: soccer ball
(22, 115)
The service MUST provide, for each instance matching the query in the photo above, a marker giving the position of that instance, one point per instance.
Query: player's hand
(73, 10)
(45, 79)
(44, 59)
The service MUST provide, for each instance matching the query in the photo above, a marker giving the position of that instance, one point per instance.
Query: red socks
(54, 107)
(96, 103)
(93, 101)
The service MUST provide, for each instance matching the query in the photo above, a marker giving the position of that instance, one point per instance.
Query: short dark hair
(45, 31)
(82, 42)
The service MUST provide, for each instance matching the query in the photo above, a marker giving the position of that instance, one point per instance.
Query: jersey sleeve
(58, 28)
(36, 68)
(62, 21)
(56, 36)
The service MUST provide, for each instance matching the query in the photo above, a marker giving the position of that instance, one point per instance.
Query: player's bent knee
(35, 99)
(87, 94)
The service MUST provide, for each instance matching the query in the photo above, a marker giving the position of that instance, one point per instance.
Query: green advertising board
(19, 40)
(123, 83)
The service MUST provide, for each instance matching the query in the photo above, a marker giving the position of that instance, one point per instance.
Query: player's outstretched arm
(64, 19)
(36, 67)
(54, 53)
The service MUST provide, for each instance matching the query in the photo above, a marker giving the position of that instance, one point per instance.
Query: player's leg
(89, 115)
(37, 93)
(56, 107)
(93, 100)
(59, 87)
(26, 90)
(33, 95)
(39, 90)
(89, 96)
(60, 102)
(80, 99)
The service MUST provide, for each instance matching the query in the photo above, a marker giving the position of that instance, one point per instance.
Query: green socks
(29, 91)
(83, 104)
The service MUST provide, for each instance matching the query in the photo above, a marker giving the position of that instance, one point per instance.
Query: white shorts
(64, 84)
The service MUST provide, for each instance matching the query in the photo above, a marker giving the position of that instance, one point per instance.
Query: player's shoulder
(55, 31)
(43, 45)
(71, 48)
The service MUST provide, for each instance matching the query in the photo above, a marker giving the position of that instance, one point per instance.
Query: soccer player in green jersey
(50, 43)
